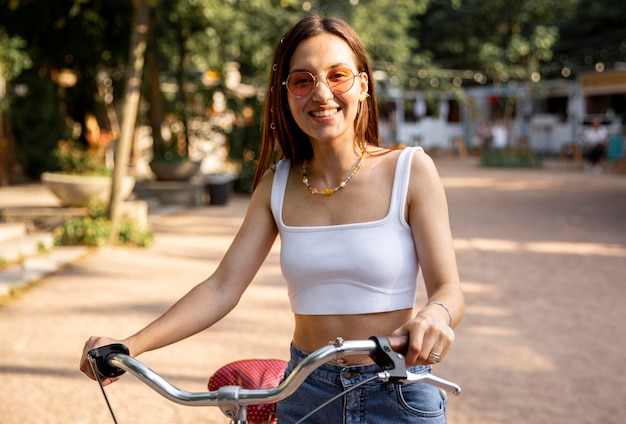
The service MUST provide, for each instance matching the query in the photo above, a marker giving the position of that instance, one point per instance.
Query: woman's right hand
(85, 365)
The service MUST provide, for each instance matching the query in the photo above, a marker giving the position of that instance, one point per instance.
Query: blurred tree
(476, 42)
(192, 45)
(384, 26)
(68, 43)
(596, 33)
(13, 60)
(416, 43)
(175, 23)
(498, 39)
(132, 90)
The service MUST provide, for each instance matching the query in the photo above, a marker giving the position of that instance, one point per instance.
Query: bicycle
(234, 400)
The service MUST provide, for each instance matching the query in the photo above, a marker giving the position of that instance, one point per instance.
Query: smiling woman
(321, 137)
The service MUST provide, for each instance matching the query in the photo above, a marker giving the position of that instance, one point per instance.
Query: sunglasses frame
(316, 80)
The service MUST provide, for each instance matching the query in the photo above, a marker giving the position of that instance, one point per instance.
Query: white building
(545, 115)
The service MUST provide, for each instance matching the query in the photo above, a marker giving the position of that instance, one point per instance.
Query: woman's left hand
(430, 337)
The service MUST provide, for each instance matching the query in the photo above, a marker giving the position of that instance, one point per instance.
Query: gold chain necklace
(330, 191)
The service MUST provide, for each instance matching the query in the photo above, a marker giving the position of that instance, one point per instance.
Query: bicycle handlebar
(114, 360)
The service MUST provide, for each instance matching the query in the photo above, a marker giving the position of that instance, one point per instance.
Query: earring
(275, 157)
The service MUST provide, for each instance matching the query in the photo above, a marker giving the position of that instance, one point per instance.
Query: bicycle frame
(113, 360)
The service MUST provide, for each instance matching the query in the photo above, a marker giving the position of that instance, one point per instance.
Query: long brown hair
(282, 138)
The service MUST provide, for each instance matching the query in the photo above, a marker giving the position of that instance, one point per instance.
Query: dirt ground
(542, 257)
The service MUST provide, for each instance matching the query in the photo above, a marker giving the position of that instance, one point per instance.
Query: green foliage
(416, 42)
(42, 248)
(75, 34)
(84, 231)
(173, 149)
(37, 122)
(594, 31)
(517, 157)
(82, 36)
(94, 230)
(503, 39)
(74, 158)
(13, 58)
(243, 143)
(384, 28)
(245, 181)
(132, 234)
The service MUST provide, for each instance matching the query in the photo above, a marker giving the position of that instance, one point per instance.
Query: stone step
(19, 248)
(11, 231)
(40, 218)
(36, 267)
(27, 251)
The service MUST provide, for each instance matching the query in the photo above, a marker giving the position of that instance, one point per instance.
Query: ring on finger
(436, 357)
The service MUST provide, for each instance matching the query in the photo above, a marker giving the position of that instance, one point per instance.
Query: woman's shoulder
(419, 158)
(263, 189)
(424, 175)
(421, 161)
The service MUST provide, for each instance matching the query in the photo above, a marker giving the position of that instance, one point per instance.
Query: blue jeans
(374, 402)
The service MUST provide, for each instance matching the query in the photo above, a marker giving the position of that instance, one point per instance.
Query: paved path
(542, 256)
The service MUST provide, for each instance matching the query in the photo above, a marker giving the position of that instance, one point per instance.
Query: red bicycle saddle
(252, 374)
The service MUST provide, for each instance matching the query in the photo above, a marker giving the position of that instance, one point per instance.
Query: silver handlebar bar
(230, 398)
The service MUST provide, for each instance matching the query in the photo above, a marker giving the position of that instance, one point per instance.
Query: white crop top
(358, 268)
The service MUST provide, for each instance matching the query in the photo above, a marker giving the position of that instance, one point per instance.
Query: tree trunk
(134, 72)
(183, 149)
(156, 113)
(7, 142)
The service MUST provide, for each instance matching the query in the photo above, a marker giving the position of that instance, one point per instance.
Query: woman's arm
(213, 298)
(431, 331)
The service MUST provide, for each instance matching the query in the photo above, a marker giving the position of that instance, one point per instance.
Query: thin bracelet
(444, 307)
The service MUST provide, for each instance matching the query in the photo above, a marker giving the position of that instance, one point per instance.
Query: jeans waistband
(333, 372)
(333, 369)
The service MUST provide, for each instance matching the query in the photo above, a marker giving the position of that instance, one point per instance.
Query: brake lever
(446, 385)
(388, 359)
(395, 368)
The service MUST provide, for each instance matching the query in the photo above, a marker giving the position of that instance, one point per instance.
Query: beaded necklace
(330, 191)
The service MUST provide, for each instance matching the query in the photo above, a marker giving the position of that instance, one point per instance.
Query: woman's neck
(332, 162)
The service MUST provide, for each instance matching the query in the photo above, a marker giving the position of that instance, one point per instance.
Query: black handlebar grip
(101, 356)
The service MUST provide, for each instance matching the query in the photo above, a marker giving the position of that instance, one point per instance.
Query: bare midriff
(315, 331)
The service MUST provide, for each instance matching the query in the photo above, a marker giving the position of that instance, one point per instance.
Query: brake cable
(391, 362)
(92, 362)
(336, 397)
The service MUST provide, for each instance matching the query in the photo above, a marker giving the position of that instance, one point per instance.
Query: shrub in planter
(75, 159)
(94, 230)
(83, 176)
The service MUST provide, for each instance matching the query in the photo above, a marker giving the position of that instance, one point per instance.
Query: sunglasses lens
(340, 80)
(301, 84)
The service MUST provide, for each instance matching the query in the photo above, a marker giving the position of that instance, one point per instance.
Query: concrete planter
(174, 171)
(79, 190)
